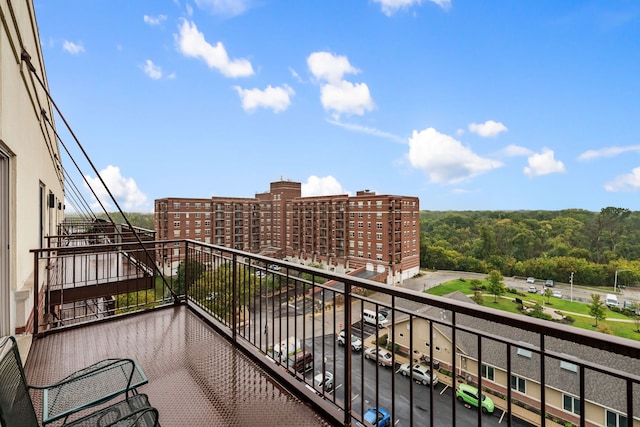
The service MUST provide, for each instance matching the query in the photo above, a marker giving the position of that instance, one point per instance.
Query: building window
(360, 234)
(518, 383)
(379, 225)
(379, 257)
(524, 352)
(379, 203)
(378, 246)
(176, 214)
(176, 223)
(351, 224)
(176, 205)
(488, 372)
(176, 233)
(568, 366)
(615, 420)
(571, 404)
(379, 215)
(360, 224)
(360, 215)
(378, 236)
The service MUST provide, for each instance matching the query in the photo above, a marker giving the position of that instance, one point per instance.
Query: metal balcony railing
(289, 318)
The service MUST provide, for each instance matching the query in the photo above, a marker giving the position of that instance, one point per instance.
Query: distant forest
(541, 244)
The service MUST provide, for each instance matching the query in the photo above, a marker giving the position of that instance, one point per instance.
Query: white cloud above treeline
(125, 190)
(607, 152)
(192, 43)
(543, 163)
(628, 182)
(444, 159)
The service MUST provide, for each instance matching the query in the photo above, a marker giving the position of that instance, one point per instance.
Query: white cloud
(276, 98)
(326, 186)
(154, 20)
(72, 48)
(295, 75)
(607, 152)
(191, 43)
(368, 130)
(488, 129)
(444, 159)
(125, 190)
(337, 95)
(329, 67)
(152, 70)
(628, 182)
(346, 98)
(515, 151)
(389, 7)
(543, 164)
(224, 7)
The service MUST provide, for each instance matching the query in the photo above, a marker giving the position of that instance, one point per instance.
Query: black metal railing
(532, 370)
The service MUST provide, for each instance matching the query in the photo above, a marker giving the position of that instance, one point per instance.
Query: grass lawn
(622, 329)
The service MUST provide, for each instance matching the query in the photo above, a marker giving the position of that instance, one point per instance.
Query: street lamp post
(615, 280)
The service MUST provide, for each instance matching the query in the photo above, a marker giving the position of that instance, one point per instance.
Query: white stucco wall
(31, 147)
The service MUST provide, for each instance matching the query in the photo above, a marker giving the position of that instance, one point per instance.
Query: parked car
(324, 381)
(302, 361)
(261, 274)
(632, 306)
(356, 343)
(469, 395)
(384, 356)
(379, 417)
(548, 283)
(533, 289)
(531, 280)
(274, 267)
(557, 294)
(420, 373)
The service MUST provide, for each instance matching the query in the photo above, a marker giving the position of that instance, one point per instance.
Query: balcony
(207, 322)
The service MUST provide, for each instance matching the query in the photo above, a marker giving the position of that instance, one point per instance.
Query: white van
(611, 300)
(373, 318)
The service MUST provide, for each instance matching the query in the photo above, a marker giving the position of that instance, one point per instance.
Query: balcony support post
(347, 360)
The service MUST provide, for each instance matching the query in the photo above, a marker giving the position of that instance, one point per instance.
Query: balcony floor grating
(196, 377)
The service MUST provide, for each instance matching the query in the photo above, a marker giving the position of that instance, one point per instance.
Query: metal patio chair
(84, 390)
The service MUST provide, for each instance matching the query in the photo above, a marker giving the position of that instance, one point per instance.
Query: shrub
(382, 341)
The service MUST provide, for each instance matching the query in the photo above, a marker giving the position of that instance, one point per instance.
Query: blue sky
(469, 105)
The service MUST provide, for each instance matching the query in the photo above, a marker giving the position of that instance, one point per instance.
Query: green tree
(548, 293)
(597, 308)
(189, 271)
(496, 285)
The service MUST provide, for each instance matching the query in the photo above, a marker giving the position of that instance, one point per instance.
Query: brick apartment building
(380, 233)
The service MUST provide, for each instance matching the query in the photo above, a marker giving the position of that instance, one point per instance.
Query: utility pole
(571, 283)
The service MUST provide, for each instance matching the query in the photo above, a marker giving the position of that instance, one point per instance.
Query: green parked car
(469, 394)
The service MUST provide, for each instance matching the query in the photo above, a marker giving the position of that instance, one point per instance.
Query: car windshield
(354, 338)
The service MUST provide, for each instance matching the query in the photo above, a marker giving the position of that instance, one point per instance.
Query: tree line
(594, 246)
(542, 244)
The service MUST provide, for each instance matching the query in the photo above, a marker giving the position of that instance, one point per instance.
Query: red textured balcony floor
(196, 377)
